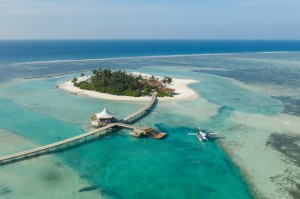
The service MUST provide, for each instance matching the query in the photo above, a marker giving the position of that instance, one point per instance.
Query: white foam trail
(117, 58)
(144, 57)
(277, 52)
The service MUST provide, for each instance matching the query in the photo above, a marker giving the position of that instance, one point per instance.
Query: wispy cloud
(75, 7)
(268, 2)
(149, 19)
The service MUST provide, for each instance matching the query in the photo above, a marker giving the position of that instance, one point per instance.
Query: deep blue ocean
(30, 58)
(24, 51)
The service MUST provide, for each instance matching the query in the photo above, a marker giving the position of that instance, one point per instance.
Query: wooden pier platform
(80, 138)
(56, 146)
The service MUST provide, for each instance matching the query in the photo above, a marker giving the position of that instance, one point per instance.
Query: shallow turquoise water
(119, 165)
(172, 168)
(125, 167)
(36, 127)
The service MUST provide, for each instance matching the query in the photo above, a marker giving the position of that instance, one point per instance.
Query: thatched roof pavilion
(103, 118)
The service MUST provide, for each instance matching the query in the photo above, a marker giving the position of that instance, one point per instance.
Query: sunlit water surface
(120, 166)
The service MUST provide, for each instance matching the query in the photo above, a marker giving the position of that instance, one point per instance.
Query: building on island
(103, 118)
(170, 91)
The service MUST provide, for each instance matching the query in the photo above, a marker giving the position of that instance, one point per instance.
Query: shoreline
(182, 92)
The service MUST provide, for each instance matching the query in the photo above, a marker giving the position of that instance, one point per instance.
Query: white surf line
(145, 57)
(114, 58)
(57, 74)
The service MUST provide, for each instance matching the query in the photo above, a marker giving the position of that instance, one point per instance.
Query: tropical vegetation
(121, 83)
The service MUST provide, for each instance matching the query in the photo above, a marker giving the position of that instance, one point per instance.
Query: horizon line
(85, 39)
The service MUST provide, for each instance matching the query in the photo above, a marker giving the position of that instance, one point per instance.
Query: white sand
(182, 92)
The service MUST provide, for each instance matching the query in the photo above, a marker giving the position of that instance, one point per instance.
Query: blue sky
(141, 19)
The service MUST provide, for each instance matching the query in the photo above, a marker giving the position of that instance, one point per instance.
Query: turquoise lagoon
(120, 166)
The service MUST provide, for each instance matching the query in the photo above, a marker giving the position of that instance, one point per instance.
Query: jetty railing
(56, 145)
(142, 110)
(77, 139)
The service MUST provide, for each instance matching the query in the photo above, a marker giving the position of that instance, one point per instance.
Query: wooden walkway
(142, 110)
(77, 139)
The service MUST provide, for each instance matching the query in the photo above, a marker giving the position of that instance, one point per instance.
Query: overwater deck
(80, 138)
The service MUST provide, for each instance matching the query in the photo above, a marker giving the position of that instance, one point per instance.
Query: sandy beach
(182, 92)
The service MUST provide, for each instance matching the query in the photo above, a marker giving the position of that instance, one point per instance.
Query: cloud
(75, 7)
(147, 19)
(268, 2)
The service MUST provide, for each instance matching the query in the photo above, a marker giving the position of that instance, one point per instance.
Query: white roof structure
(83, 79)
(105, 114)
(146, 76)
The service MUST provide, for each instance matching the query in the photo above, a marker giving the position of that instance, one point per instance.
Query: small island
(124, 84)
(135, 86)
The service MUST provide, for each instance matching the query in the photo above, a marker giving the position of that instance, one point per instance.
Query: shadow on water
(86, 189)
(213, 139)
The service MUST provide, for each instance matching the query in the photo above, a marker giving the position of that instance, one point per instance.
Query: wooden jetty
(57, 145)
(143, 131)
(142, 110)
(80, 138)
(147, 131)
